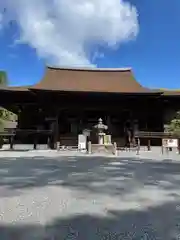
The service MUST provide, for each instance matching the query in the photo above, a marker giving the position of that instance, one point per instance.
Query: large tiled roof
(90, 80)
(104, 80)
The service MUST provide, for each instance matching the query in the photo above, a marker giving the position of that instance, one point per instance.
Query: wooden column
(19, 118)
(53, 139)
(56, 129)
(11, 142)
(48, 142)
(56, 133)
(35, 142)
(162, 146)
(149, 145)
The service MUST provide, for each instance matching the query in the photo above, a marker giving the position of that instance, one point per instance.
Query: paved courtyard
(87, 198)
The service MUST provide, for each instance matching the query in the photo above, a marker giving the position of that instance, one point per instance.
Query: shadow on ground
(99, 175)
(158, 223)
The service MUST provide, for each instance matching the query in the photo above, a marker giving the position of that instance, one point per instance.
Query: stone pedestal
(101, 148)
(101, 138)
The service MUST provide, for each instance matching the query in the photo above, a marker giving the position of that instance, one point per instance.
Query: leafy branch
(174, 126)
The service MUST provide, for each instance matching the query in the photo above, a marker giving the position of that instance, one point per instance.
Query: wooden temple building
(67, 101)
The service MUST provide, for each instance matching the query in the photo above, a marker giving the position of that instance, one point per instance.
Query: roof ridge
(90, 69)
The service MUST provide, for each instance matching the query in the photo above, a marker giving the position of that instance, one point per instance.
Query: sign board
(107, 139)
(82, 139)
(170, 143)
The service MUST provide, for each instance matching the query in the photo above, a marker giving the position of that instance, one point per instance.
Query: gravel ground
(50, 195)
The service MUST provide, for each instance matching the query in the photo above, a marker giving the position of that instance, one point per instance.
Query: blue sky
(154, 54)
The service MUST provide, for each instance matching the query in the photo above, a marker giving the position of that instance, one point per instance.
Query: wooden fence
(10, 135)
(155, 135)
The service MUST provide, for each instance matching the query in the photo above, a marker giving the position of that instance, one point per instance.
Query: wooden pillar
(56, 130)
(52, 138)
(48, 142)
(149, 145)
(19, 118)
(162, 146)
(11, 142)
(53, 135)
(35, 142)
(55, 140)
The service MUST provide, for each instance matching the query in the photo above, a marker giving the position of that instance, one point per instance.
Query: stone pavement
(46, 195)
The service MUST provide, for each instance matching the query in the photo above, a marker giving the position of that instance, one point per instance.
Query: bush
(1, 141)
(174, 126)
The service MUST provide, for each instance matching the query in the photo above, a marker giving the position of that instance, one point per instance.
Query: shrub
(174, 126)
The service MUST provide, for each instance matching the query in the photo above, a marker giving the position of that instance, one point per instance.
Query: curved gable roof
(90, 80)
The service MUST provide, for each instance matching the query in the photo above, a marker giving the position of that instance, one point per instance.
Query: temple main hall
(67, 101)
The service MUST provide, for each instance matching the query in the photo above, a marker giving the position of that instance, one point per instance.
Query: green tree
(3, 78)
(3, 112)
(174, 126)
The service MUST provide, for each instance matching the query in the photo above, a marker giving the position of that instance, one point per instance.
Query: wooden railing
(11, 133)
(24, 131)
(155, 135)
(160, 135)
(72, 141)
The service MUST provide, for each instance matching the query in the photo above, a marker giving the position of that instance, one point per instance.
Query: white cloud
(64, 31)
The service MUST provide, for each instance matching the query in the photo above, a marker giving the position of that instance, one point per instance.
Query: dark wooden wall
(34, 108)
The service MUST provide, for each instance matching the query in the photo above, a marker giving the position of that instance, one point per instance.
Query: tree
(174, 126)
(3, 112)
(3, 78)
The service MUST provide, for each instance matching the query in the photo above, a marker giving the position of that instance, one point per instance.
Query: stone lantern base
(101, 148)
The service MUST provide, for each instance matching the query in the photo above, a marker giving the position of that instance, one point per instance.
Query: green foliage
(3, 78)
(1, 130)
(1, 125)
(4, 114)
(174, 126)
(1, 141)
(7, 115)
(1, 121)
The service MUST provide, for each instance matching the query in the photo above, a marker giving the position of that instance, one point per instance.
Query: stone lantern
(100, 128)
